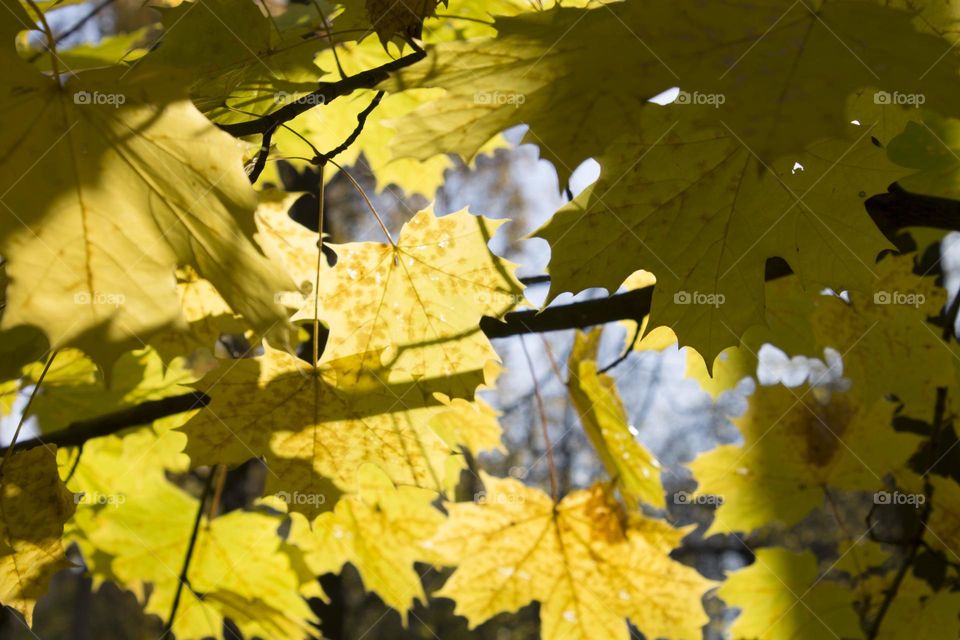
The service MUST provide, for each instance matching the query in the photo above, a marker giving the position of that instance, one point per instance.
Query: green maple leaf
(704, 192)
(703, 213)
(240, 62)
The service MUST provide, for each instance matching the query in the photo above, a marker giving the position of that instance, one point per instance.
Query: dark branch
(79, 432)
(898, 209)
(261, 161)
(361, 121)
(325, 93)
(184, 580)
(891, 593)
(632, 305)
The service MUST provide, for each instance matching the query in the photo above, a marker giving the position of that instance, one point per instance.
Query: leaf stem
(51, 40)
(221, 474)
(363, 194)
(73, 467)
(316, 281)
(76, 26)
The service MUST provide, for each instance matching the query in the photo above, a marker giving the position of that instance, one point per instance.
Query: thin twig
(26, 409)
(361, 121)
(333, 44)
(76, 463)
(220, 471)
(316, 281)
(553, 361)
(261, 161)
(891, 594)
(543, 422)
(51, 40)
(449, 16)
(76, 26)
(325, 93)
(183, 580)
(627, 351)
(363, 194)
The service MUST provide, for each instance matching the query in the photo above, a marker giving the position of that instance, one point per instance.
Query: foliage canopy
(780, 218)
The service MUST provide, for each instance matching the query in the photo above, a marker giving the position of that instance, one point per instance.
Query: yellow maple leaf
(420, 301)
(379, 530)
(717, 183)
(75, 270)
(588, 565)
(782, 599)
(314, 425)
(794, 445)
(239, 569)
(917, 611)
(604, 419)
(34, 505)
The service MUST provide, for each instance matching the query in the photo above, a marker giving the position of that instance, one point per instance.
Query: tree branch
(325, 93)
(631, 305)
(79, 432)
(361, 121)
(261, 160)
(898, 209)
(184, 580)
(891, 592)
